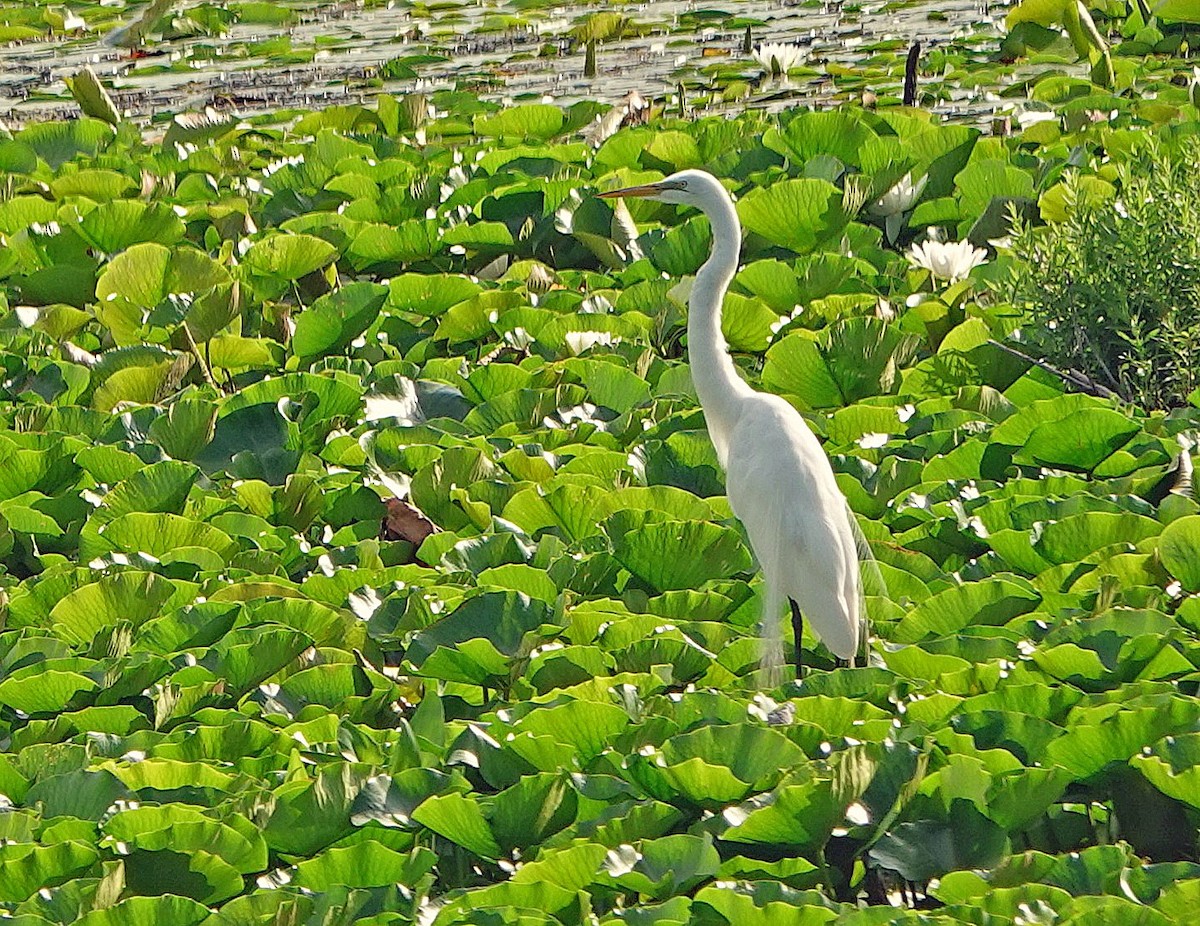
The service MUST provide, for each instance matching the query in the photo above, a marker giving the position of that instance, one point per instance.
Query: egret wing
(782, 488)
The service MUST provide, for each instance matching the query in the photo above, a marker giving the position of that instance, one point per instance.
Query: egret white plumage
(778, 479)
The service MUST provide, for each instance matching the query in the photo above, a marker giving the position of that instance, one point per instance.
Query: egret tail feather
(868, 570)
(770, 639)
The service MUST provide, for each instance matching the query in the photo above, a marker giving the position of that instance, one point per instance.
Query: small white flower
(778, 58)
(947, 260)
(73, 22)
(892, 205)
(899, 198)
(579, 341)
(1033, 116)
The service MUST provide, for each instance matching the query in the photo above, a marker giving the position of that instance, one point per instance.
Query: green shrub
(1113, 290)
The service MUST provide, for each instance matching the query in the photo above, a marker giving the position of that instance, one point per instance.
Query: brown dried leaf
(405, 522)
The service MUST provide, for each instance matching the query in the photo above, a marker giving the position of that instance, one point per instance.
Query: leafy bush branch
(1113, 291)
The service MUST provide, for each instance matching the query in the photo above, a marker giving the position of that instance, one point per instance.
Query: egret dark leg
(798, 630)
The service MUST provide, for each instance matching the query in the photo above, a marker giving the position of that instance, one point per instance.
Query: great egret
(778, 479)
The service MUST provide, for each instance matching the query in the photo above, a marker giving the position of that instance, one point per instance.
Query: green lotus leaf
(1024, 735)
(811, 134)
(367, 864)
(991, 601)
(289, 257)
(686, 459)
(800, 816)
(795, 214)
(91, 183)
(458, 818)
(17, 158)
(1077, 536)
(1179, 900)
(429, 294)
(1094, 435)
(1086, 749)
(323, 624)
(310, 815)
(687, 660)
(1018, 798)
(483, 627)
(694, 780)
(680, 554)
(330, 396)
(51, 690)
(536, 806)
(682, 249)
(26, 868)
(178, 826)
(186, 427)
(200, 624)
(491, 236)
(534, 120)
(940, 152)
(1176, 11)
(587, 726)
(161, 487)
(243, 665)
(519, 577)
(228, 352)
(133, 597)
(763, 903)
(336, 319)
(145, 275)
(861, 357)
(539, 904)
(195, 873)
(410, 242)
(667, 866)
(329, 685)
(169, 775)
(148, 911)
(930, 848)
(1173, 766)
(142, 384)
(983, 180)
(1179, 548)
(116, 225)
(1080, 911)
(610, 385)
(82, 793)
(797, 872)
(61, 141)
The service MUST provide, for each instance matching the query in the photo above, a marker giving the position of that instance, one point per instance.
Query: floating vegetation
(364, 557)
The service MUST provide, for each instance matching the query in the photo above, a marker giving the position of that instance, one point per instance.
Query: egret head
(685, 188)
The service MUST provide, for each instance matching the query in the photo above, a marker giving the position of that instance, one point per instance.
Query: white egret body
(778, 479)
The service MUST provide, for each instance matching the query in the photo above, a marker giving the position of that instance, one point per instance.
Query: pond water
(333, 53)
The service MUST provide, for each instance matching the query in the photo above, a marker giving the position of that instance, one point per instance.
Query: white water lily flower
(948, 260)
(892, 205)
(899, 198)
(777, 57)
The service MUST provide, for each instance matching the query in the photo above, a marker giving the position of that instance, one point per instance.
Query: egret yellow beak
(630, 192)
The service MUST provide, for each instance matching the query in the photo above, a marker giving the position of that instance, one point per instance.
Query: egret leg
(798, 630)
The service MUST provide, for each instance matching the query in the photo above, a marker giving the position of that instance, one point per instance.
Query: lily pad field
(364, 557)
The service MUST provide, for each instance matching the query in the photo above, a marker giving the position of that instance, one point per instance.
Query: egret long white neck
(717, 383)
